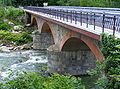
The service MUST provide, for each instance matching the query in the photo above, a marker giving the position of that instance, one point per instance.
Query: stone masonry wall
(74, 63)
(42, 40)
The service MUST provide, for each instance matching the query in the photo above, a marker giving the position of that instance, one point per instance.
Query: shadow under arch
(73, 40)
(34, 21)
(46, 28)
(74, 44)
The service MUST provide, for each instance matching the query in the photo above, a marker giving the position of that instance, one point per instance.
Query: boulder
(18, 27)
(5, 49)
(26, 46)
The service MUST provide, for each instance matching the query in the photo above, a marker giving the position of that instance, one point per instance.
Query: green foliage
(109, 44)
(8, 37)
(15, 15)
(36, 81)
(5, 26)
(68, 2)
(112, 66)
(109, 71)
(100, 3)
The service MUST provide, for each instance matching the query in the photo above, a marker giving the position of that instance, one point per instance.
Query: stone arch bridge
(72, 42)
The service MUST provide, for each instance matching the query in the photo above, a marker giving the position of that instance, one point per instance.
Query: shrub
(110, 69)
(5, 26)
(18, 39)
(15, 15)
(36, 81)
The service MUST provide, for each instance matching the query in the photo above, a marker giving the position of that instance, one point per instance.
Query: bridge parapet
(97, 22)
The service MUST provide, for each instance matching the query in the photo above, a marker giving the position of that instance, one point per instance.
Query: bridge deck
(86, 26)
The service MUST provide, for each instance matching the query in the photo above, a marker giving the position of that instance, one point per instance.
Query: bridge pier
(42, 40)
(28, 18)
(74, 63)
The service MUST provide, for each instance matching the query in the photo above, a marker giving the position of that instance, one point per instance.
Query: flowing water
(25, 61)
(29, 61)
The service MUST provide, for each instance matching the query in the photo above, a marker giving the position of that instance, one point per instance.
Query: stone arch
(47, 28)
(34, 21)
(88, 42)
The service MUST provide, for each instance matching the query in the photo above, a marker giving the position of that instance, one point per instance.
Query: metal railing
(103, 20)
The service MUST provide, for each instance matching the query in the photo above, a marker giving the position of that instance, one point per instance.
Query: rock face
(5, 49)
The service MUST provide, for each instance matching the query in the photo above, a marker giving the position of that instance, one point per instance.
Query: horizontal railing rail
(103, 20)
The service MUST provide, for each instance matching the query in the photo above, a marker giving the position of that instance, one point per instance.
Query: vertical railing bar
(87, 19)
(75, 17)
(60, 14)
(103, 23)
(81, 18)
(67, 16)
(91, 18)
(114, 28)
(63, 15)
(94, 21)
(57, 13)
(71, 17)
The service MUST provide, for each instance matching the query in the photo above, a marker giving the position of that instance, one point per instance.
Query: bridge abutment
(42, 40)
(74, 63)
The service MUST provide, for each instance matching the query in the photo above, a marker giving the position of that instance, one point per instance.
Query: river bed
(29, 61)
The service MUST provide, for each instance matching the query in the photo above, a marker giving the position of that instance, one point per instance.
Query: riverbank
(14, 34)
(10, 48)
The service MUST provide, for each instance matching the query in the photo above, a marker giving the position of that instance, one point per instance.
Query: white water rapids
(21, 61)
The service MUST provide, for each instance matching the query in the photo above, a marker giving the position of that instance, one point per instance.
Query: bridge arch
(46, 28)
(34, 21)
(73, 39)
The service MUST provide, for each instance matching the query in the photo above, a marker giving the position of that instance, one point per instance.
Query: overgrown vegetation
(13, 19)
(109, 70)
(100, 3)
(40, 2)
(18, 39)
(36, 81)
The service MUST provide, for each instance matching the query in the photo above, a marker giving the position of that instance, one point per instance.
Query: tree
(100, 3)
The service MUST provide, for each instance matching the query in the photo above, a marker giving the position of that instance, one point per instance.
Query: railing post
(91, 18)
(87, 19)
(103, 23)
(94, 21)
(71, 17)
(67, 16)
(63, 16)
(57, 13)
(75, 17)
(114, 28)
(60, 14)
(54, 13)
(81, 18)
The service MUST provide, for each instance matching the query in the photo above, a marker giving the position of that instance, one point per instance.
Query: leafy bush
(100, 3)
(5, 26)
(15, 15)
(36, 81)
(109, 44)
(109, 71)
(18, 39)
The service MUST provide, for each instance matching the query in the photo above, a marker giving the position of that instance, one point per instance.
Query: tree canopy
(40, 2)
(100, 3)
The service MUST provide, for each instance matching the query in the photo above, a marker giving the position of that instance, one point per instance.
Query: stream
(29, 61)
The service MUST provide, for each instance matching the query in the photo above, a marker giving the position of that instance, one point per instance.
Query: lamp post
(45, 4)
